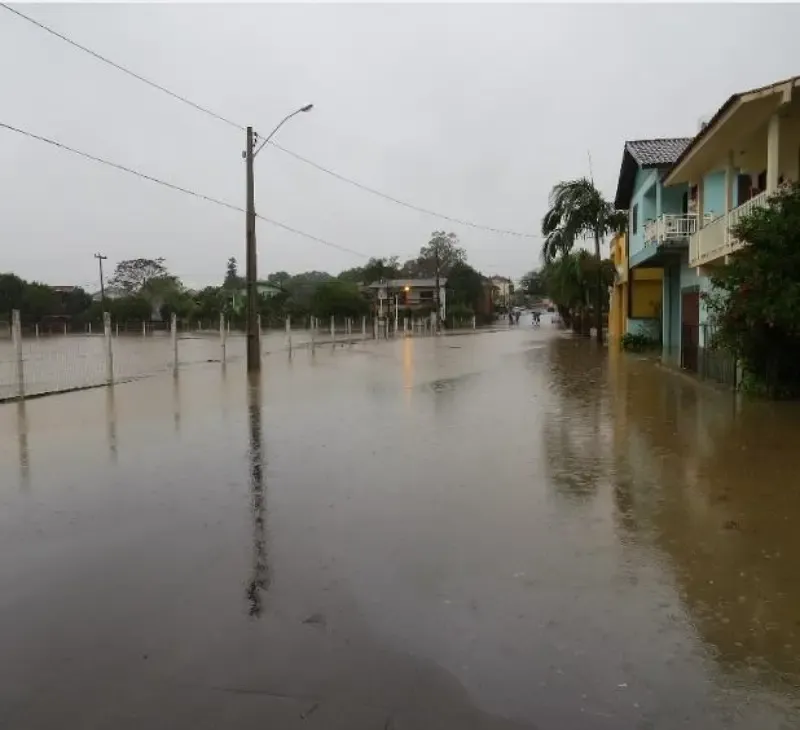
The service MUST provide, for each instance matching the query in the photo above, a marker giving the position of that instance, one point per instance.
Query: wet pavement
(507, 530)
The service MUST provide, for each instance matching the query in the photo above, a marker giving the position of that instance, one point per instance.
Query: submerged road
(495, 531)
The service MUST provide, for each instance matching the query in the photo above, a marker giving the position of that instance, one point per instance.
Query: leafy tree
(130, 309)
(374, 270)
(232, 278)
(755, 303)
(39, 300)
(279, 278)
(465, 287)
(132, 276)
(76, 302)
(443, 247)
(578, 209)
(534, 283)
(11, 292)
(338, 299)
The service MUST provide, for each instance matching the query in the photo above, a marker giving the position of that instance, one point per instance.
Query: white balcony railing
(716, 240)
(669, 228)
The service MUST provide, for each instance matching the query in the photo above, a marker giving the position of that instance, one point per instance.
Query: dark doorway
(690, 328)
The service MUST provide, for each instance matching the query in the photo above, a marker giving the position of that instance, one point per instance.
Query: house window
(635, 219)
(426, 296)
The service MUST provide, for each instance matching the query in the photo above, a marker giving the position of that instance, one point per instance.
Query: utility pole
(100, 258)
(251, 275)
(438, 294)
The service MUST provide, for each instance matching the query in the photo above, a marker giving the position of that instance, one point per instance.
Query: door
(690, 328)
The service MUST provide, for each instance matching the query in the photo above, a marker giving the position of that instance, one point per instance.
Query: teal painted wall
(641, 189)
(672, 199)
(714, 194)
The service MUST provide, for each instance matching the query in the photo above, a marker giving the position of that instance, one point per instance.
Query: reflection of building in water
(260, 578)
(713, 489)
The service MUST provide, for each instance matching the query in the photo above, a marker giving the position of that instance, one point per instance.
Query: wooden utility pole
(251, 273)
(100, 258)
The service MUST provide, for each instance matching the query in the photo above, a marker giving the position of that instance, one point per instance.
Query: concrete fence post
(36, 328)
(222, 335)
(90, 328)
(108, 347)
(65, 329)
(313, 332)
(173, 329)
(117, 328)
(16, 335)
(364, 327)
(374, 328)
(333, 329)
(144, 328)
(474, 322)
(289, 333)
(258, 317)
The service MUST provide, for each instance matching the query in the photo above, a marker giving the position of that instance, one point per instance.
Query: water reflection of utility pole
(22, 437)
(176, 401)
(260, 579)
(111, 422)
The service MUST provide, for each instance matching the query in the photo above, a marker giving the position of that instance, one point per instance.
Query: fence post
(222, 335)
(90, 328)
(289, 333)
(363, 326)
(313, 332)
(333, 329)
(16, 332)
(36, 327)
(173, 328)
(117, 328)
(109, 351)
(65, 329)
(144, 328)
(259, 327)
(474, 322)
(374, 328)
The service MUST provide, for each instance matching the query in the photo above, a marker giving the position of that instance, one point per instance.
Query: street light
(253, 334)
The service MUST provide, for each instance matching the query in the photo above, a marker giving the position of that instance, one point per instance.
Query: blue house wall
(642, 193)
(714, 193)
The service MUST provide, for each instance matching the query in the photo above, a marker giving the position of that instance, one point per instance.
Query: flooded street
(505, 530)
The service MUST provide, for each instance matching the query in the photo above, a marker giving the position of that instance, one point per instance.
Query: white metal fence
(34, 363)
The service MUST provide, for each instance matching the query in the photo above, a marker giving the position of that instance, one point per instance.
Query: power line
(178, 188)
(411, 206)
(124, 70)
(321, 168)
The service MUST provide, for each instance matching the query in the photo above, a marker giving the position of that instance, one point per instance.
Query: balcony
(715, 239)
(670, 230)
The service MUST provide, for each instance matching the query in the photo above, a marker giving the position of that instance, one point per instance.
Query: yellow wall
(618, 308)
(646, 293)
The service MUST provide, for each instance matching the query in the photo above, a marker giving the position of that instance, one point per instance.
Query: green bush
(638, 342)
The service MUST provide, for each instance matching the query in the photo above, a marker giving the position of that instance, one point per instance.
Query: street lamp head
(407, 288)
(307, 108)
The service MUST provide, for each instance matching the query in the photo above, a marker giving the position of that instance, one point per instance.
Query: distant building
(111, 293)
(414, 294)
(502, 290)
(265, 290)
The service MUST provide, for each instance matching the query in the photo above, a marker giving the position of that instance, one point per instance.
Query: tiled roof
(657, 152)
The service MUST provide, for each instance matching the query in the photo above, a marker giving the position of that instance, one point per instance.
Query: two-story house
(745, 152)
(417, 295)
(660, 221)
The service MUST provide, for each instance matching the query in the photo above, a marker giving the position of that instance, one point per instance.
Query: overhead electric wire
(124, 70)
(172, 186)
(219, 117)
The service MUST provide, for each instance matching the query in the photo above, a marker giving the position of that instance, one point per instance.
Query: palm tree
(578, 209)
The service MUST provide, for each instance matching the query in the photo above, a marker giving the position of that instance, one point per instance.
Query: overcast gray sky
(474, 111)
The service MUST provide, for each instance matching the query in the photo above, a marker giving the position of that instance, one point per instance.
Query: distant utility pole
(100, 258)
(251, 275)
(438, 295)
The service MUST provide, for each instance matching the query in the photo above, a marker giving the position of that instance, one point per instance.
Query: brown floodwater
(506, 530)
